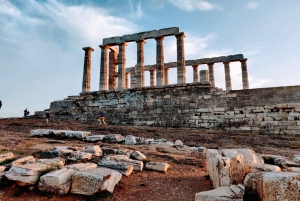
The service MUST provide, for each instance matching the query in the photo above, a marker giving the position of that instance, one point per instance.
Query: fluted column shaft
(122, 66)
(112, 81)
(140, 63)
(167, 76)
(133, 79)
(245, 74)
(195, 73)
(211, 74)
(127, 80)
(227, 76)
(181, 72)
(152, 77)
(103, 68)
(86, 81)
(160, 78)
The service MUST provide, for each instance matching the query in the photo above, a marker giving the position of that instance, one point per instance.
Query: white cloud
(252, 5)
(192, 5)
(136, 10)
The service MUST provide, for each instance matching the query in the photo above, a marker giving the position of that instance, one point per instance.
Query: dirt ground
(185, 177)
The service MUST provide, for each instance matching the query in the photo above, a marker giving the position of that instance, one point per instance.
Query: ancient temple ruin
(125, 99)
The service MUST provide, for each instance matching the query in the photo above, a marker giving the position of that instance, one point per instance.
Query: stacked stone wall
(274, 110)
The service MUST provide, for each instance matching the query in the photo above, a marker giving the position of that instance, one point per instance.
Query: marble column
(204, 77)
(86, 81)
(112, 81)
(227, 76)
(122, 66)
(181, 72)
(167, 76)
(133, 79)
(152, 77)
(245, 74)
(195, 73)
(211, 74)
(127, 80)
(160, 78)
(103, 68)
(140, 63)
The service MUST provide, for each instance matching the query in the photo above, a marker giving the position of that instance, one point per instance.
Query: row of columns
(158, 77)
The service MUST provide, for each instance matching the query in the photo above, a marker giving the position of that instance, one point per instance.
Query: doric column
(122, 66)
(245, 74)
(133, 78)
(127, 80)
(140, 63)
(211, 74)
(181, 78)
(195, 73)
(152, 77)
(160, 78)
(167, 76)
(86, 81)
(103, 68)
(204, 77)
(112, 81)
(227, 76)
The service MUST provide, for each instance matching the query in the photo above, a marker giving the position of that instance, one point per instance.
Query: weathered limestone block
(78, 134)
(157, 166)
(130, 139)
(121, 159)
(4, 157)
(232, 193)
(94, 180)
(94, 150)
(27, 174)
(294, 169)
(178, 142)
(225, 170)
(58, 181)
(39, 132)
(138, 155)
(94, 138)
(126, 152)
(2, 168)
(79, 155)
(280, 161)
(113, 138)
(274, 186)
(24, 160)
(58, 132)
(263, 168)
(204, 110)
(296, 158)
(59, 162)
(282, 106)
(168, 144)
(201, 150)
(108, 151)
(81, 166)
(59, 151)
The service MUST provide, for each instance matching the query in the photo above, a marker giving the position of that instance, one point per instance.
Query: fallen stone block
(79, 155)
(296, 158)
(2, 168)
(109, 151)
(78, 134)
(94, 138)
(138, 155)
(294, 169)
(281, 161)
(58, 162)
(24, 160)
(126, 152)
(178, 142)
(39, 132)
(113, 138)
(94, 180)
(122, 159)
(273, 186)
(232, 193)
(58, 133)
(81, 166)
(27, 174)
(95, 150)
(60, 151)
(225, 170)
(157, 166)
(58, 181)
(7, 156)
(130, 139)
(263, 168)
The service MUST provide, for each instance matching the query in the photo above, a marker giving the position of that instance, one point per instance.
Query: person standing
(0, 104)
(26, 112)
(101, 118)
(47, 114)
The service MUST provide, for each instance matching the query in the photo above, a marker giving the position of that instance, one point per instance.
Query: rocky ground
(185, 177)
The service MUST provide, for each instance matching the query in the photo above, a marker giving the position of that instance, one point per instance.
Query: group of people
(101, 118)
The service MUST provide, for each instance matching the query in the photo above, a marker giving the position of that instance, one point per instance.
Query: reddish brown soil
(185, 177)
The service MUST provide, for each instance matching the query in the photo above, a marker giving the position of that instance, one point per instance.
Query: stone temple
(124, 98)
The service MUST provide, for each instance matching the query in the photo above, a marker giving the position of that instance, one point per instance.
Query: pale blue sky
(41, 56)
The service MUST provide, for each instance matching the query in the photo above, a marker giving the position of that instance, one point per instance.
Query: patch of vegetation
(295, 145)
(7, 161)
(99, 196)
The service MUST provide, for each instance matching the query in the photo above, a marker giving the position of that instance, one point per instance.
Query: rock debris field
(73, 160)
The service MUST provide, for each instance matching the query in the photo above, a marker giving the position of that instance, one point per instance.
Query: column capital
(103, 46)
(226, 62)
(195, 66)
(122, 44)
(159, 38)
(243, 60)
(179, 35)
(88, 49)
(153, 70)
(211, 64)
(141, 41)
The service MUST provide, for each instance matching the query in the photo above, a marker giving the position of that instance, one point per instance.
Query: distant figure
(26, 112)
(101, 118)
(0, 104)
(47, 116)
